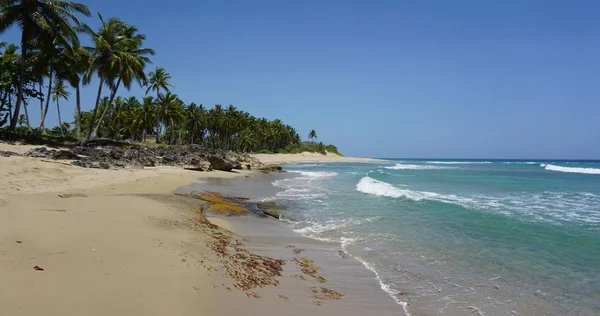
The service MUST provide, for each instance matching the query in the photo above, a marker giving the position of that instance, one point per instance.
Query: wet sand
(362, 293)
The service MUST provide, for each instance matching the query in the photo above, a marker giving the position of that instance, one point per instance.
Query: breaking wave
(553, 207)
(415, 167)
(459, 162)
(571, 169)
(375, 187)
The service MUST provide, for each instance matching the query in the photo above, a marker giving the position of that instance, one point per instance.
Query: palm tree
(170, 111)
(159, 79)
(195, 123)
(60, 92)
(117, 57)
(147, 116)
(51, 66)
(43, 21)
(78, 59)
(312, 135)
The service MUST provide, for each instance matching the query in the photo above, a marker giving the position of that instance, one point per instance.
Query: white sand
(129, 247)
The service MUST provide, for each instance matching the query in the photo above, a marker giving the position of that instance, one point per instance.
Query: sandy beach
(120, 242)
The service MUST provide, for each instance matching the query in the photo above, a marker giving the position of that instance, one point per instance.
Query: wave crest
(459, 162)
(375, 187)
(415, 167)
(571, 169)
(315, 174)
(546, 206)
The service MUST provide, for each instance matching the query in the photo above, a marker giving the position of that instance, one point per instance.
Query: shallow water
(459, 237)
(271, 237)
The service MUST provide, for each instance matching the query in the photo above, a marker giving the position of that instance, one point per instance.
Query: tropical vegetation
(51, 64)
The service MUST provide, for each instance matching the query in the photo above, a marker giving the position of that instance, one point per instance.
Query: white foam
(571, 169)
(386, 288)
(375, 187)
(414, 167)
(459, 162)
(315, 174)
(309, 165)
(555, 207)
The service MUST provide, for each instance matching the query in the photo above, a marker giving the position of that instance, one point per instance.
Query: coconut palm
(60, 92)
(117, 57)
(170, 111)
(43, 21)
(195, 123)
(312, 135)
(51, 65)
(147, 116)
(158, 80)
(78, 59)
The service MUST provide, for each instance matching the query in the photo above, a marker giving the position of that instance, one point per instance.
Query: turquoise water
(461, 237)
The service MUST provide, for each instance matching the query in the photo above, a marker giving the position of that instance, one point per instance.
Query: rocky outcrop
(107, 155)
(271, 168)
(270, 208)
(5, 153)
(43, 152)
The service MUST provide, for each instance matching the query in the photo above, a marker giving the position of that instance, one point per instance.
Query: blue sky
(470, 79)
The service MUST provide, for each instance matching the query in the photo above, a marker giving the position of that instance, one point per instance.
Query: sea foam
(571, 169)
(375, 187)
(415, 167)
(315, 174)
(547, 206)
(459, 162)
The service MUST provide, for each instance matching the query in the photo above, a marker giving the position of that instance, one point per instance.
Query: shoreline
(91, 230)
(280, 233)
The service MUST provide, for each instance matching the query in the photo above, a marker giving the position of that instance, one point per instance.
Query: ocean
(460, 237)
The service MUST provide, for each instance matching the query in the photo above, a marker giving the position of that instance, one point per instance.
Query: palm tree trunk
(110, 101)
(78, 110)
(26, 114)
(43, 119)
(4, 120)
(15, 118)
(39, 94)
(10, 112)
(92, 120)
(157, 120)
(59, 118)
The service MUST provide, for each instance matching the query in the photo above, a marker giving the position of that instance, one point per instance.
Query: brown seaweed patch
(308, 267)
(247, 270)
(285, 298)
(323, 293)
(297, 250)
(219, 203)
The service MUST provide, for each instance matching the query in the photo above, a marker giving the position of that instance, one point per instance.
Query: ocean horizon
(456, 236)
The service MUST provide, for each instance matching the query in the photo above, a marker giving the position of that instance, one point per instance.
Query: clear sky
(471, 79)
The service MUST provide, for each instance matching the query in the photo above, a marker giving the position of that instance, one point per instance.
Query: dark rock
(41, 152)
(64, 155)
(85, 163)
(44, 152)
(270, 209)
(8, 153)
(109, 154)
(272, 168)
(220, 163)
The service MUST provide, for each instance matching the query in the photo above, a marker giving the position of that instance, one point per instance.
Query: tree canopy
(49, 61)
